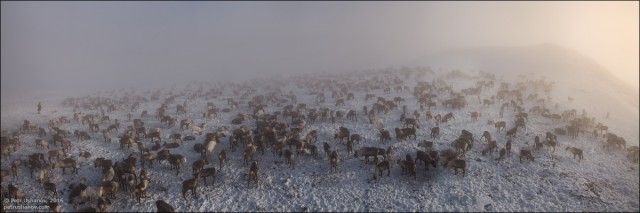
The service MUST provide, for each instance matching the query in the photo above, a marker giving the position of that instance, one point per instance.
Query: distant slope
(594, 88)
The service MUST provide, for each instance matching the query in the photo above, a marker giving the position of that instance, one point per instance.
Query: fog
(66, 45)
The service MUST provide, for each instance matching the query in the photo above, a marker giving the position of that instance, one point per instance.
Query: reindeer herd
(261, 115)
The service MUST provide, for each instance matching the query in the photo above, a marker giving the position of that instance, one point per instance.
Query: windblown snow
(605, 180)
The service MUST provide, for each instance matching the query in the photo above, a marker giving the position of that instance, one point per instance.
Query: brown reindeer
(148, 157)
(55, 154)
(486, 135)
(198, 165)
(500, 125)
(575, 151)
(384, 135)
(457, 164)
(435, 132)
(334, 161)
(162, 206)
(248, 153)
(503, 152)
(141, 189)
(411, 121)
(525, 153)
(253, 173)
(41, 143)
(176, 160)
(290, 157)
(222, 157)
(327, 148)
(406, 132)
(110, 188)
(492, 145)
(408, 166)
(103, 204)
(67, 162)
(50, 187)
(551, 143)
(384, 165)
(356, 137)
(369, 151)
(426, 158)
(14, 192)
(191, 184)
(341, 135)
(207, 172)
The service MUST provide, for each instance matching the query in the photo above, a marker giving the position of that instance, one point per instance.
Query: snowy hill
(605, 180)
(574, 74)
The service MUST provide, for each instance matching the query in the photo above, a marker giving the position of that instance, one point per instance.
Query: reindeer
(426, 158)
(108, 176)
(525, 153)
(575, 151)
(148, 157)
(503, 152)
(67, 162)
(408, 165)
(490, 147)
(512, 132)
(435, 132)
(176, 160)
(352, 115)
(198, 165)
(88, 193)
(384, 165)
(107, 136)
(154, 135)
(222, 157)
(141, 189)
(369, 151)
(377, 122)
(50, 187)
(551, 143)
(327, 148)
(341, 135)
(191, 184)
(460, 145)
(384, 135)
(41, 143)
(408, 132)
(253, 173)
(110, 188)
(411, 121)
(500, 125)
(248, 153)
(290, 157)
(14, 192)
(457, 164)
(356, 137)
(103, 164)
(334, 161)
(207, 172)
(486, 135)
(103, 204)
(162, 206)
(55, 153)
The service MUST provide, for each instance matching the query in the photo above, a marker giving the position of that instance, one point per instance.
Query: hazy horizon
(102, 44)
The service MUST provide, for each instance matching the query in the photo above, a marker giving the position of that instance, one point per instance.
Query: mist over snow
(295, 59)
(604, 180)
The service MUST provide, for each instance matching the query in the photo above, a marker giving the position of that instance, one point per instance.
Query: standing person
(39, 107)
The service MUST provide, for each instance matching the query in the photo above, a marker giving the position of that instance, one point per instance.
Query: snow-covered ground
(605, 180)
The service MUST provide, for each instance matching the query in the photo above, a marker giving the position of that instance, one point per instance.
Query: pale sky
(50, 44)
